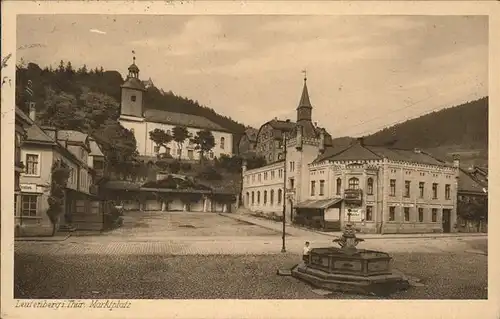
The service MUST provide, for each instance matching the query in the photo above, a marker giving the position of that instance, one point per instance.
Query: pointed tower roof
(304, 99)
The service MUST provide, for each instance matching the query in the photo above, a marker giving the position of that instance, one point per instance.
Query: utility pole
(283, 249)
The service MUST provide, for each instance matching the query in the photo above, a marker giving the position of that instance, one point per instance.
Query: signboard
(356, 215)
(352, 194)
(28, 188)
(332, 214)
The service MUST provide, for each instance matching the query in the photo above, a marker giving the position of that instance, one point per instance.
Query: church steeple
(304, 109)
(133, 70)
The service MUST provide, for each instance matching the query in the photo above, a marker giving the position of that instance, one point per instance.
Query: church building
(136, 117)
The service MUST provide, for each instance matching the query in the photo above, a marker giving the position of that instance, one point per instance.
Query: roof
(122, 185)
(35, 134)
(318, 204)
(95, 150)
(133, 83)
(251, 133)
(72, 136)
(304, 99)
(467, 184)
(21, 115)
(406, 155)
(183, 119)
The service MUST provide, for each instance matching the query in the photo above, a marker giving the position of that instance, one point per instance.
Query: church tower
(304, 110)
(132, 97)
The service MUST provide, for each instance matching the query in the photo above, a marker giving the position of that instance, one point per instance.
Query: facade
(379, 189)
(135, 116)
(473, 200)
(247, 143)
(43, 148)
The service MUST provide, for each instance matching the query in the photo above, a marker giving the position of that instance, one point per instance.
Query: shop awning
(318, 204)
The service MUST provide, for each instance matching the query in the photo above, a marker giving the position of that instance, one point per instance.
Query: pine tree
(61, 66)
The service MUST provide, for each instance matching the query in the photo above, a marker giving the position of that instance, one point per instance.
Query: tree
(69, 68)
(60, 175)
(61, 67)
(204, 141)
(255, 161)
(160, 138)
(98, 108)
(180, 135)
(62, 111)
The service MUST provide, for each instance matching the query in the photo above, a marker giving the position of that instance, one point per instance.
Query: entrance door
(446, 220)
(289, 216)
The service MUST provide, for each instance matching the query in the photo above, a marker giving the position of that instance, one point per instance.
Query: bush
(175, 167)
(209, 173)
(186, 167)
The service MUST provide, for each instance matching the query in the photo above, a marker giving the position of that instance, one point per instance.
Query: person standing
(305, 252)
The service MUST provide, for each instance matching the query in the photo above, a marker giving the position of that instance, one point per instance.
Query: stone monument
(349, 269)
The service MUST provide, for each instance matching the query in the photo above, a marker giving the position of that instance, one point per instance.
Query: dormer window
(133, 98)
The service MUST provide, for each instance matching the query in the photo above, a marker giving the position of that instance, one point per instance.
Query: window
(392, 185)
(248, 198)
(272, 174)
(339, 185)
(434, 215)
(271, 197)
(259, 177)
(258, 197)
(190, 154)
(447, 191)
(407, 188)
(32, 164)
(179, 151)
(291, 166)
(292, 184)
(132, 130)
(222, 141)
(421, 187)
(353, 183)
(133, 98)
(80, 206)
(369, 213)
(98, 164)
(392, 213)
(265, 176)
(313, 187)
(321, 187)
(265, 197)
(253, 198)
(28, 205)
(407, 214)
(434, 191)
(421, 215)
(369, 186)
(253, 178)
(280, 195)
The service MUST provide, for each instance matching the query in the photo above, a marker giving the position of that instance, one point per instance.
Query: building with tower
(378, 189)
(136, 117)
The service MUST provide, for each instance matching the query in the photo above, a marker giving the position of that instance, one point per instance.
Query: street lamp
(283, 249)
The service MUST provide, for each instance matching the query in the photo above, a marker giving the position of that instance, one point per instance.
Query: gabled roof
(188, 120)
(35, 134)
(72, 136)
(467, 184)
(22, 116)
(134, 83)
(95, 150)
(354, 152)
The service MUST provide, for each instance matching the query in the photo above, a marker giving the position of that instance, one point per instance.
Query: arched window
(248, 199)
(222, 140)
(253, 198)
(271, 200)
(353, 183)
(369, 186)
(280, 195)
(265, 197)
(339, 185)
(258, 197)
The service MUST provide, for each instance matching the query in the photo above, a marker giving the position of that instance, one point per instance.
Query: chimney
(456, 160)
(417, 150)
(50, 131)
(299, 137)
(361, 141)
(32, 109)
(322, 141)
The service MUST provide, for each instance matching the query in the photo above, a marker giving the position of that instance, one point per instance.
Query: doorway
(289, 211)
(446, 220)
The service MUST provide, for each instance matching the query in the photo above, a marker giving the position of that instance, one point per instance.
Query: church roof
(134, 83)
(188, 120)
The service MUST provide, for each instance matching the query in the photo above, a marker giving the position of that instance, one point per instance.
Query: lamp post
(283, 249)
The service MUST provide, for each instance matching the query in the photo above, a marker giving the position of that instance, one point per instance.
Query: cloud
(97, 31)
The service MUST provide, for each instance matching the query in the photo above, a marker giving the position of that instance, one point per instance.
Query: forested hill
(464, 126)
(71, 80)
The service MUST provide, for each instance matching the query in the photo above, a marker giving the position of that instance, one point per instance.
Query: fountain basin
(350, 270)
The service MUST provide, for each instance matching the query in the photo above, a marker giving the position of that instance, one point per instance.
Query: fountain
(349, 269)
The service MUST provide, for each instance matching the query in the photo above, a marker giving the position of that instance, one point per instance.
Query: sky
(363, 72)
